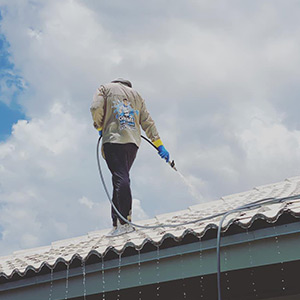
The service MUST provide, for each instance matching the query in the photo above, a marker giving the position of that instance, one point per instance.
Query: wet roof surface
(289, 190)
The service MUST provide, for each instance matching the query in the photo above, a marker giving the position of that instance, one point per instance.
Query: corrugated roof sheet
(22, 261)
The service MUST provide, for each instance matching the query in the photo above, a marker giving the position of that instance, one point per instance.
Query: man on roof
(119, 113)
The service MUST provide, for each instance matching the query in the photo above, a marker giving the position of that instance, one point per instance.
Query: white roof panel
(20, 261)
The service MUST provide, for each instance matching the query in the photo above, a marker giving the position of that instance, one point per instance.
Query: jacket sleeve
(148, 125)
(98, 108)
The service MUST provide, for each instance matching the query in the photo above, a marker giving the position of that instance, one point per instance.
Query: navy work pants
(119, 159)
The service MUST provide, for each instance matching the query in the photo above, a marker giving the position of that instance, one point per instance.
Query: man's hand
(163, 153)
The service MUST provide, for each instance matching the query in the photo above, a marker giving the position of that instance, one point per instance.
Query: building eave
(270, 245)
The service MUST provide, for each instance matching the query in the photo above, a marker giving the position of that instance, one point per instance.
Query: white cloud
(85, 201)
(137, 210)
(270, 147)
(42, 175)
(220, 82)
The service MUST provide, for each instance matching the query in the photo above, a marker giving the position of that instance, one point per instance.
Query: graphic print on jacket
(125, 114)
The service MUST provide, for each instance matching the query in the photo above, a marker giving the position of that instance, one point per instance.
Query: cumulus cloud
(220, 80)
(85, 201)
(138, 212)
(43, 175)
(270, 147)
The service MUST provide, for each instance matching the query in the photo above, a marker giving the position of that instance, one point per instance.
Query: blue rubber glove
(100, 132)
(163, 153)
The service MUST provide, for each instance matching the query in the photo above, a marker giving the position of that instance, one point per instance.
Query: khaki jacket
(119, 111)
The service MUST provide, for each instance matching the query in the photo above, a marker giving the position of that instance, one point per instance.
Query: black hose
(149, 142)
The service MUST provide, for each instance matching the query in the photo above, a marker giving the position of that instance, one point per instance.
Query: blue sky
(10, 111)
(8, 117)
(220, 81)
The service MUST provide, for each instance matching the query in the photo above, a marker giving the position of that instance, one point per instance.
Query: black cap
(124, 81)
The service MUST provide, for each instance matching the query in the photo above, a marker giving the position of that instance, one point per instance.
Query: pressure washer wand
(171, 163)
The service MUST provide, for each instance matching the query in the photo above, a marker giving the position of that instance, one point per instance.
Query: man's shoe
(121, 229)
(112, 232)
(129, 228)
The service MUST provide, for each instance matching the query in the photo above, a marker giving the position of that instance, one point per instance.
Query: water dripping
(119, 276)
(51, 284)
(67, 281)
(139, 275)
(226, 274)
(201, 287)
(251, 264)
(157, 273)
(103, 277)
(183, 277)
(249, 248)
(200, 262)
(281, 262)
(277, 241)
(84, 278)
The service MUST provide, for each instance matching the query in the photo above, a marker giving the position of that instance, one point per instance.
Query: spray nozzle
(172, 165)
